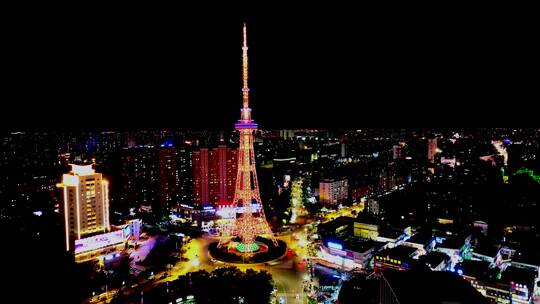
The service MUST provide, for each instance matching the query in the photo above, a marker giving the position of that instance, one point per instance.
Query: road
(350, 211)
(288, 279)
(288, 276)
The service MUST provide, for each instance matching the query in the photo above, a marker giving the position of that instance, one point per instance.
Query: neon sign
(335, 246)
(99, 241)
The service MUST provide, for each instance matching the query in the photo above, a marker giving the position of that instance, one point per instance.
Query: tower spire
(245, 88)
(245, 37)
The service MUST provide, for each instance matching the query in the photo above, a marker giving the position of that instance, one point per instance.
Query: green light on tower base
(247, 247)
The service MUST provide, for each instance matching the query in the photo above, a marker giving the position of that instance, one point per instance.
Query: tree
(225, 285)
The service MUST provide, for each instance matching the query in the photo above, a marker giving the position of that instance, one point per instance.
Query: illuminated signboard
(254, 208)
(127, 231)
(230, 212)
(99, 241)
(208, 209)
(335, 246)
(226, 212)
(136, 231)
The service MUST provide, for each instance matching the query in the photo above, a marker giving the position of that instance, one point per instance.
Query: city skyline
(314, 197)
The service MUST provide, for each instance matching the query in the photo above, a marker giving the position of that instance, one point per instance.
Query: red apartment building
(214, 176)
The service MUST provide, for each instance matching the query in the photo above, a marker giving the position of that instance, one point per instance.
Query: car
(281, 300)
(273, 263)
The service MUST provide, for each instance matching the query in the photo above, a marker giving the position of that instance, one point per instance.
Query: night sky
(183, 70)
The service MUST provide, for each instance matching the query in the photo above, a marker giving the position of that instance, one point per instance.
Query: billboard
(99, 241)
(132, 230)
(136, 229)
(230, 211)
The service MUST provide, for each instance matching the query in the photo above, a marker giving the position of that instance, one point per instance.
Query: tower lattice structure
(251, 222)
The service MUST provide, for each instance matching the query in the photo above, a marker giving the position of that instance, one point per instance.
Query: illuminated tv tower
(251, 222)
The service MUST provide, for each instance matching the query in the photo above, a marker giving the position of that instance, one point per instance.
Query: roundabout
(260, 251)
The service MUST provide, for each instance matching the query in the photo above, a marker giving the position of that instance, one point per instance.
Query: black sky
(325, 70)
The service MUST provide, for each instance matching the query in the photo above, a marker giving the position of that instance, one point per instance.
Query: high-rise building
(372, 207)
(217, 159)
(432, 149)
(185, 175)
(138, 177)
(200, 177)
(168, 177)
(390, 177)
(333, 191)
(85, 204)
(214, 175)
(231, 172)
(396, 152)
(286, 134)
(343, 151)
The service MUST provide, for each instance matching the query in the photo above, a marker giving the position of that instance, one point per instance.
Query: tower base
(251, 248)
(261, 251)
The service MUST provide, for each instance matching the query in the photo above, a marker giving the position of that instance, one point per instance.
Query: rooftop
(476, 269)
(82, 170)
(361, 245)
(445, 229)
(432, 287)
(422, 237)
(366, 218)
(398, 252)
(453, 242)
(390, 233)
(489, 250)
(434, 258)
(335, 224)
(528, 255)
(518, 276)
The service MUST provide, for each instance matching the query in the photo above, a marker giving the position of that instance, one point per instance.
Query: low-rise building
(101, 246)
(392, 236)
(436, 261)
(456, 247)
(366, 227)
(513, 285)
(396, 258)
(422, 240)
(350, 253)
(340, 227)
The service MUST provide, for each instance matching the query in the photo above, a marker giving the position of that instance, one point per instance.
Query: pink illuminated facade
(432, 149)
(214, 176)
